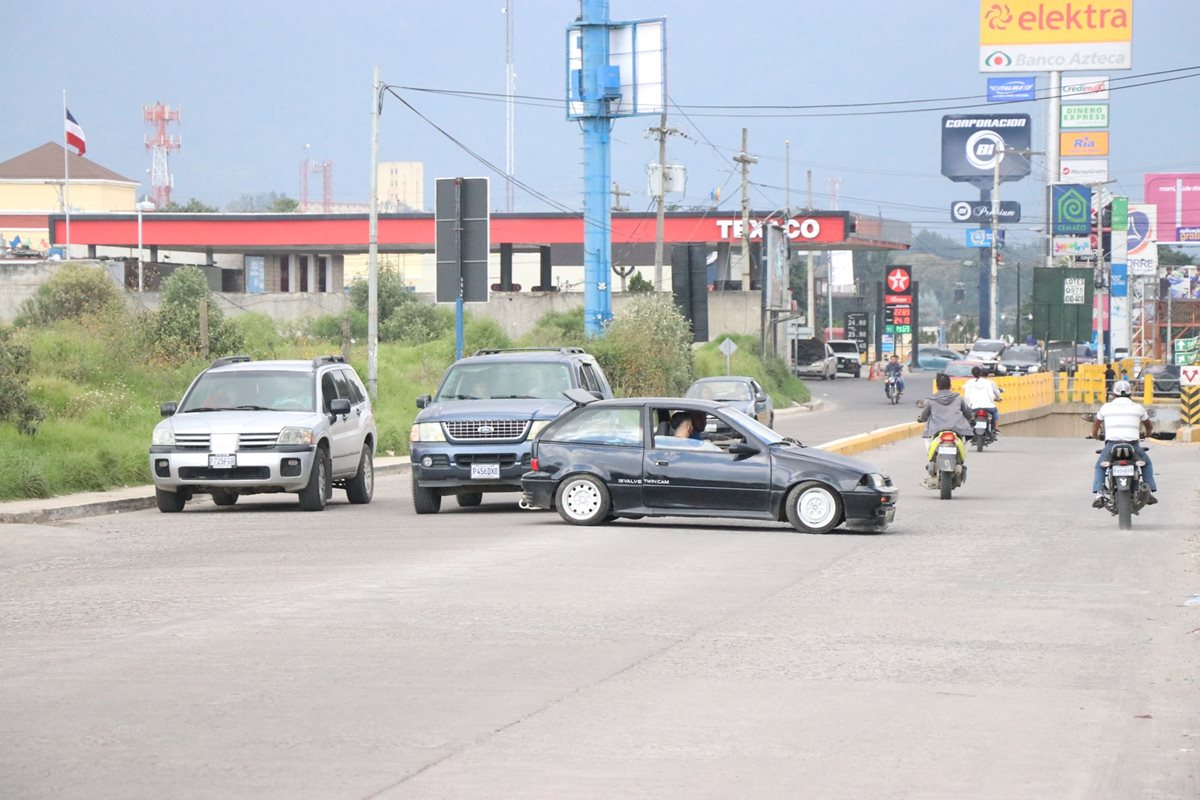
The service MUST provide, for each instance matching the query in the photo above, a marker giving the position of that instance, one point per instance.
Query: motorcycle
(947, 466)
(891, 387)
(1125, 493)
(985, 429)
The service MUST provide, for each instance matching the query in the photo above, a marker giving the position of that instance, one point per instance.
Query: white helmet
(1122, 389)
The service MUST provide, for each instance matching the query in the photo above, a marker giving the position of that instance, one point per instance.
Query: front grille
(235, 474)
(257, 441)
(504, 459)
(486, 429)
(191, 441)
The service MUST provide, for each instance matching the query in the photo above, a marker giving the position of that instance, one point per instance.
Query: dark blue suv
(474, 434)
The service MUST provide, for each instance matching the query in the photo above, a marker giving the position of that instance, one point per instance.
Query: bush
(558, 329)
(259, 335)
(416, 323)
(173, 333)
(392, 293)
(639, 284)
(774, 375)
(328, 327)
(647, 350)
(16, 406)
(74, 291)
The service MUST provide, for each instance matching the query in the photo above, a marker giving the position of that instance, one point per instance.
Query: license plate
(483, 472)
(1122, 470)
(221, 462)
(948, 449)
(981, 425)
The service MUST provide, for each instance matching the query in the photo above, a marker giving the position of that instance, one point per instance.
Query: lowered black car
(619, 458)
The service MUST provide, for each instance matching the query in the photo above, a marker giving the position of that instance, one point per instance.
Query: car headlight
(1001, 368)
(1034, 369)
(302, 436)
(537, 426)
(163, 434)
(426, 432)
(877, 481)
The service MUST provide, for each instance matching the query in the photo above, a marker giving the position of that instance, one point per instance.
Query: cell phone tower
(160, 143)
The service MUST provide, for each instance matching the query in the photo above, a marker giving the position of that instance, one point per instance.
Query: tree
(639, 284)
(193, 206)
(393, 292)
(271, 202)
(74, 291)
(16, 405)
(174, 330)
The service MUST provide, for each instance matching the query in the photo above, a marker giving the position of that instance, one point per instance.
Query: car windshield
(760, 431)
(810, 351)
(988, 347)
(844, 347)
(1021, 355)
(719, 390)
(543, 380)
(958, 369)
(251, 390)
(1084, 351)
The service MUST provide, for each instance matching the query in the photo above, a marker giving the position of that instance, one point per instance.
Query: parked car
(607, 459)
(247, 427)
(849, 356)
(815, 358)
(936, 358)
(737, 391)
(1165, 379)
(1021, 360)
(473, 435)
(987, 352)
(1066, 356)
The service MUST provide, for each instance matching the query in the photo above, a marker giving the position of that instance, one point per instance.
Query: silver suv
(247, 427)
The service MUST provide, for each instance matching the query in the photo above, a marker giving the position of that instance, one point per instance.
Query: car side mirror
(339, 407)
(168, 409)
(743, 449)
(423, 400)
(760, 398)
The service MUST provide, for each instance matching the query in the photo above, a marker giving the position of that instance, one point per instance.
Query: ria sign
(1049, 35)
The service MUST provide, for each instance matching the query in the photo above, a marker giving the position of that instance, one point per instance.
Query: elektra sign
(1049, 35)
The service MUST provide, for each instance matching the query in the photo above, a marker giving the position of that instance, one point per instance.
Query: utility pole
(745, 160)
(373, 245)
(662, 132)
(617, 195)
(811, 288)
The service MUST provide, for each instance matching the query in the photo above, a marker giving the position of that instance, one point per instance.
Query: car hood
(241, 421)
(538, 408)
(811, 454)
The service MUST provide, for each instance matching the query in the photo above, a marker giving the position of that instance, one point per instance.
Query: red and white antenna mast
(160, 143)
(325, 170)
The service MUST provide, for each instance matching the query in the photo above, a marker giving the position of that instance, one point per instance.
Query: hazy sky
(257, 81)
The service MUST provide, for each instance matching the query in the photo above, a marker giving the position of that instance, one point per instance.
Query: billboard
(973, 143)
(1083, 143)
(1083, 115)
(775, 284)
(1055, 35)
(1177, 197)
(1142, 248)
(635, 81)
(1007, 90)
(1072, 210)
(1083, 170)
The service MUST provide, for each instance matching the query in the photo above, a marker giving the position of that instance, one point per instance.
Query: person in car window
(682, 428)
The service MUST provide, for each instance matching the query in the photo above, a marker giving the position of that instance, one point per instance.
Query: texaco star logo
(898, 281)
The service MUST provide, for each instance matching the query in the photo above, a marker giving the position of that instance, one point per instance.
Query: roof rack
(223, 360)
(566, 351)
(328, 359)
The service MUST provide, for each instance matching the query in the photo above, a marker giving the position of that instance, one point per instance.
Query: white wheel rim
(816, 508)
(581, 499)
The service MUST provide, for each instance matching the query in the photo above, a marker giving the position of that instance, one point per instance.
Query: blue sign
(1119, 287)
(1006, 90)
(1072, 207)
(982, 237)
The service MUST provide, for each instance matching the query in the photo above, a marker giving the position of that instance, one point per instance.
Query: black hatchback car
(618, 458)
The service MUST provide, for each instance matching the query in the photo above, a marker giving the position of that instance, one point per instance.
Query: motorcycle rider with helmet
(895, 368)
(981, 392)
(1123, 421)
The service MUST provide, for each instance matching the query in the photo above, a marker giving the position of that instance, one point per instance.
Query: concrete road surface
(1009, 643)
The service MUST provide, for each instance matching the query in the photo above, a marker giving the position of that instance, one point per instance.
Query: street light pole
(141, 205)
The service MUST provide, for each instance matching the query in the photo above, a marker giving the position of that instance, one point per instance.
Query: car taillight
(533, 465)
(949, 437)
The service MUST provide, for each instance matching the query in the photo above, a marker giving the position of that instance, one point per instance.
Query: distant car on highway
(1164, 376)
(1021, 360)
(849, 356)
(961, 368)
(936, 358)
(737, 391)
(618, 458)
(813, 357)
(987, 352)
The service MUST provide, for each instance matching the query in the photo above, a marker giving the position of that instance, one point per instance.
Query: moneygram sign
(1055, 35)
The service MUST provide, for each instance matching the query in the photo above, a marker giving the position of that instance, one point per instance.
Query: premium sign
(1089, 143)
(1086, 115)
(972, 144)
(1007, 90)
(978, 211)
(1084, 170)
(1049, 35)
(1094, 87)
(1177, 197)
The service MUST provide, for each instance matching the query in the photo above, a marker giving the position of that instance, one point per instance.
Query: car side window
(587, 378)
(357, 395)
(610, 426)
(329, 391)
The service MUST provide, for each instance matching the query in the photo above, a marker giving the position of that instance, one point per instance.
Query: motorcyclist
(894, 367)
(1122, 421)
(945, 410)
(981, 392)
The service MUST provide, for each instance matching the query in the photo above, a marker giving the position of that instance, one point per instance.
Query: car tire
(813, 507)
(361, 488)
(469, 499)
(169, 502)
(582, 500)
(425, 501)
(771, 420)
(315, 495)
(224, 498)
(833, 375)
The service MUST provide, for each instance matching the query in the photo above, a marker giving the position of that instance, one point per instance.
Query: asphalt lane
(852, 406)
(1008, 643)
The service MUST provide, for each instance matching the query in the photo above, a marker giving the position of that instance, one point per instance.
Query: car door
(361, 416)
(342, 449)
(682, 476)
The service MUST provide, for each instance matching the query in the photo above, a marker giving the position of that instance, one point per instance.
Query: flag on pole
(75, 136)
